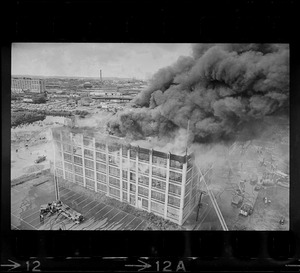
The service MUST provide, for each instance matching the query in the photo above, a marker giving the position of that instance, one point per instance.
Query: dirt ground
(243, 162)
(267, 216)
(37, 137)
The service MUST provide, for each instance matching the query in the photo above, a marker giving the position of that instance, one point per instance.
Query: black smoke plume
(217, 89)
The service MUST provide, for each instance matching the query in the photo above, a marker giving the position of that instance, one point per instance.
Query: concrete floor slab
(133, 224)
(98, 216)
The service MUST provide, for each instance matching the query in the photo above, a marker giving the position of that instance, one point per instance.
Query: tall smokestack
(100, 75)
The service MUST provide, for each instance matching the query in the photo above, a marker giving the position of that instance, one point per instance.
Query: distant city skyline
(71, 77)
(118, 60)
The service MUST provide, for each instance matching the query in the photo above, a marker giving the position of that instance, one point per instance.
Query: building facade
(21, 84)
(162, 183)
(103, 92)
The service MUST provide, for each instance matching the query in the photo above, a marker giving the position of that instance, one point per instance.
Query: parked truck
(59, 207)
(246, 209)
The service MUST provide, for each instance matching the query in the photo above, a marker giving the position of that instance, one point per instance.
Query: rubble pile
(49, 106)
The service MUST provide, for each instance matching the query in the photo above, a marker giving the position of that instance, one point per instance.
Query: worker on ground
(42, 218)
(51, 208)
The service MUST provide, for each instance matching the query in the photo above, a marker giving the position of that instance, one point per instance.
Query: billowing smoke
(218, 89)
(97, 121)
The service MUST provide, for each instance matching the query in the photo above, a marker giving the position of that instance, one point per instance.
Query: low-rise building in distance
(23, 84)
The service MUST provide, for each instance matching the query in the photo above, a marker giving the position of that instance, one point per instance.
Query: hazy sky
(85, 60)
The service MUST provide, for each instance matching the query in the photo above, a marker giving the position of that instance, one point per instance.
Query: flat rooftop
(144, 145)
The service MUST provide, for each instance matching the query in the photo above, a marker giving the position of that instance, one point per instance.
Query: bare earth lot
(37, 138)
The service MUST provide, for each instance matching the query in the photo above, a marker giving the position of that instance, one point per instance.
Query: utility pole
(187, 137)
(199, 205)
(56, 188)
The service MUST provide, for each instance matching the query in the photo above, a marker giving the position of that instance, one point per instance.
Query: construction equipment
(58, 206)
(238, 196)
(44, 209)
(71, 214)
(50, 207)
(246, 209)
(237, 200)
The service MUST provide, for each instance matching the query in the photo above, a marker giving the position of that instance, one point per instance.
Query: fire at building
(162, 183)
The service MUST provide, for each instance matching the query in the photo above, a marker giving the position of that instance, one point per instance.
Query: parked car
(40, 159)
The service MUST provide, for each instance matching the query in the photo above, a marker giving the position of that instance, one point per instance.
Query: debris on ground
(34, 168)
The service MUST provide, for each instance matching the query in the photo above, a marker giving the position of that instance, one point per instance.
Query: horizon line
(57, 76)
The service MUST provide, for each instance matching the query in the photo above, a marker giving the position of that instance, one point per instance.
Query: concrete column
(136, 177)
(128, 174)
(167, 186)
(72, 152)
(83, 164)
(54, 169)
(150, 180)
(63, 157)
(184, 171)
(107, 169)
(54, 152)
(121, 175)
(95, 175)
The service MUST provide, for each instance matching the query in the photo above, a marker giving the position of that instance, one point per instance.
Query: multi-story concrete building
(163, 183)
(21, 84)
